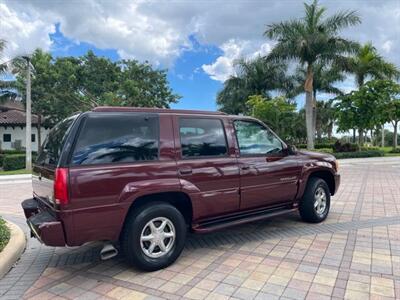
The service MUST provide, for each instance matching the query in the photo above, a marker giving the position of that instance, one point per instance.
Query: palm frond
(341, 20)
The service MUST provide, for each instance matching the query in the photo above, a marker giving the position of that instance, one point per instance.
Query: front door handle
(185, 171)
(245, 167)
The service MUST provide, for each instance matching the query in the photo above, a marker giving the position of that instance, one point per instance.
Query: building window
(7, 137)
(33, 138)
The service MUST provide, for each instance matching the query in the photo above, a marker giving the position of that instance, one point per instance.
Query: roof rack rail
(157, 110)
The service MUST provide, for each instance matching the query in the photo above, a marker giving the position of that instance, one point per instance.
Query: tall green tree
(63, 85)
(253, 77)
(325, 118)
(312, 39)
(277, 112)
(389, 92)
(374, 103)
(366, 64)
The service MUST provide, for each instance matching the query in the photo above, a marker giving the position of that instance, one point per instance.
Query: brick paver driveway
(354, 254)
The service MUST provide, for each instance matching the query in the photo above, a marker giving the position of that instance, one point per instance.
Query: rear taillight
(61, 186)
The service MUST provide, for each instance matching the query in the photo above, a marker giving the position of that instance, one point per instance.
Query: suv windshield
(53, 144)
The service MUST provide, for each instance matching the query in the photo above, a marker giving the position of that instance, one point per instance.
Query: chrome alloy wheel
(320, 200)
(158, 237)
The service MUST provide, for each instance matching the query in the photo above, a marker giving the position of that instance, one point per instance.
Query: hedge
(14, 162)
(359, 154)
(15, 152)
(397, 150)
(316, 146)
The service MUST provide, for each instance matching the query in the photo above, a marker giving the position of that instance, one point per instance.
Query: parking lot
(354, 254)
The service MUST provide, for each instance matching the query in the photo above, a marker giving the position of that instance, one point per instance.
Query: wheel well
(328, 177)
(179, 200)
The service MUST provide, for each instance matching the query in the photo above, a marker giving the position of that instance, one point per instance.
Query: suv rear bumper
(43, 224)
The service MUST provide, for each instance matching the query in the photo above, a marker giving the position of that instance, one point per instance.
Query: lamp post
(28, 128)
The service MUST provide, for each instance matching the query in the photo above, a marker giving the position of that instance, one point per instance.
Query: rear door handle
(185, 171)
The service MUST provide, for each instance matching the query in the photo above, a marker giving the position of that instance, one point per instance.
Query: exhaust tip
(108, 251)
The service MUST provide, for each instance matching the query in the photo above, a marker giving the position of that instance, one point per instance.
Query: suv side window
(256, 139)
(117, 138)
(202, 137)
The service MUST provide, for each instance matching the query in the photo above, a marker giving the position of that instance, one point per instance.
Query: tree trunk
(383, 135)
(354, 135)
(395, 123)
(360, 137)
(308, 87)
(314, 116)
(39, 127)
(329, 132)
(372, 138)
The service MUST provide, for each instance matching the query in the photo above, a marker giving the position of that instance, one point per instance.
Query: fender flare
(309, 169)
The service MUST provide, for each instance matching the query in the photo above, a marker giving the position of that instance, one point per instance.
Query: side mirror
(291, 149)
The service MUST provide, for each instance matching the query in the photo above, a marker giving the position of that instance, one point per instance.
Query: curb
(12, 252)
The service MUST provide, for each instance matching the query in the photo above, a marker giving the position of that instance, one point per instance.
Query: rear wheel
(154, 236)
(315, 204)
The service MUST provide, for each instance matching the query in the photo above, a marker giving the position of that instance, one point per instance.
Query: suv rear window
(117, 138)
(53, 144)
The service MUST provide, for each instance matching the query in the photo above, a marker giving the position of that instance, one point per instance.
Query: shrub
(323, 146)
(14, 162)
(12, 152)
(4, 234)
(325, 150)
(316, 146)
(369, 148)
(397, 150)
(359, 154)
(344, 147)
(1, 159)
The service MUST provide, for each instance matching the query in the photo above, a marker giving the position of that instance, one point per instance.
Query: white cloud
(23, 32)
(387, 46)
(158, 31)
(233, 49)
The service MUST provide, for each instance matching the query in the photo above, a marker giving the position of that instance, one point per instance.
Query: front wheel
(315, 204)
(154, 236)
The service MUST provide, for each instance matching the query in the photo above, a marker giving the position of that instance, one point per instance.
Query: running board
(238, 219)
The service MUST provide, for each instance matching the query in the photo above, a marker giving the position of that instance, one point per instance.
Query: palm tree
(324, 79)
(253, 77)
(8, 88)
(310, 40)
(366, 63)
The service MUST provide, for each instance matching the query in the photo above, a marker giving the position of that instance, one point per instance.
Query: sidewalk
(20, 178)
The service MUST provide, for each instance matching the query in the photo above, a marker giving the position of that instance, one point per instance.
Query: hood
(318, 155)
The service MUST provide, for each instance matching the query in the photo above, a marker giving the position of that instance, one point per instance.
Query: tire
(138, 236)
(311, 207)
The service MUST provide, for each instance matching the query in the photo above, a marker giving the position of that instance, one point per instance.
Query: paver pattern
(354, 254)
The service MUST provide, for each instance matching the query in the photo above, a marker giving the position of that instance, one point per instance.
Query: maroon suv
(142, 177)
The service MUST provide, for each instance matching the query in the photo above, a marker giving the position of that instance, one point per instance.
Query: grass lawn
(4, 234)
(14, 172)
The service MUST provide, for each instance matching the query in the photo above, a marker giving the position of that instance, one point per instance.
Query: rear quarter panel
(102, 194)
